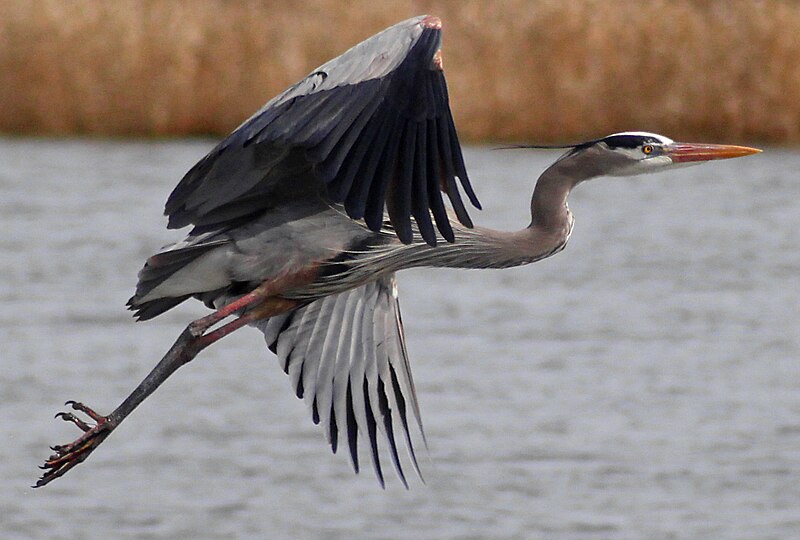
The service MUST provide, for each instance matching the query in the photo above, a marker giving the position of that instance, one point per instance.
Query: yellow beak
(687, 152)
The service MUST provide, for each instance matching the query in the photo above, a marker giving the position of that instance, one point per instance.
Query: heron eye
(647, 149)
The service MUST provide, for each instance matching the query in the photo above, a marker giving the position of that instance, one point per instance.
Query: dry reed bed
(517, 70)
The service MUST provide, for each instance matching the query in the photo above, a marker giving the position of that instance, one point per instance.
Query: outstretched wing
(347, 360)
(373, 126)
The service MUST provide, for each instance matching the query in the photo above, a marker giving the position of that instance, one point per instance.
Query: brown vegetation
(518, 70)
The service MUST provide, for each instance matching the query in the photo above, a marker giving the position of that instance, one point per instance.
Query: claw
(57, 472)
(69, 417)
(56, 461)
(67, 456)
(78, 406)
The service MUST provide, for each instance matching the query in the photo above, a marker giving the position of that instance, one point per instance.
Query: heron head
(636, 152)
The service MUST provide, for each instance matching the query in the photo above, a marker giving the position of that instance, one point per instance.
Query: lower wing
(346, 357)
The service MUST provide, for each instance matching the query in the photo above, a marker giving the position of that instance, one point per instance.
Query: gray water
(644, 383)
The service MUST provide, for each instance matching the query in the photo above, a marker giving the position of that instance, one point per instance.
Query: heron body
(303, 215)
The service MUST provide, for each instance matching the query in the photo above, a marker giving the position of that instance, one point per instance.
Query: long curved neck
(547, 234)
(549, 210)
(551, 220)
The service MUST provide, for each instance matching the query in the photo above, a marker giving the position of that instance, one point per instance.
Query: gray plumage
(346, 357)
(303, 215)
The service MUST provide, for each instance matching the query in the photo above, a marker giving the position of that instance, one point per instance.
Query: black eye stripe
(629, 141)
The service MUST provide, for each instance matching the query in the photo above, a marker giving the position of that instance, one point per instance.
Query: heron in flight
(302, 216)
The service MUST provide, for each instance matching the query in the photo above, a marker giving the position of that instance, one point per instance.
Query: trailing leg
(261, 302)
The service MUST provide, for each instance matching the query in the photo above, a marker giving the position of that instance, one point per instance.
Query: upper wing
(347, 359)
(373, 125)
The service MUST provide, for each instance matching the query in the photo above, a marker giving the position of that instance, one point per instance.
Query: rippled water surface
(643, 383)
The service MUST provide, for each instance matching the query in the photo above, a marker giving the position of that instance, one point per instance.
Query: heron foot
(67, 456)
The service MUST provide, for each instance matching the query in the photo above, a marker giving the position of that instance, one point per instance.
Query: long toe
(69, 417)
(88, 411)
(66, 456)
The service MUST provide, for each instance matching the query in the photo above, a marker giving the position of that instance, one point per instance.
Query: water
(643, 383)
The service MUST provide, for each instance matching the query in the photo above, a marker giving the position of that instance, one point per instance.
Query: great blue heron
(302, 216)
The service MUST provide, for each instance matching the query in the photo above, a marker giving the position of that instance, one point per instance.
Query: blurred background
(518, 70)
(644, 383)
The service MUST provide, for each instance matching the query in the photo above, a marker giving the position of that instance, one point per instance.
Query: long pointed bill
(688, 152)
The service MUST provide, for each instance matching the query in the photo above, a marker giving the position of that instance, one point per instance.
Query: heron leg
(262, 302)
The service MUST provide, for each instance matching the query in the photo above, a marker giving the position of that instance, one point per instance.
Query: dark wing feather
(346, 357)
(366, 128)
(398, 203)
(419, 195)
(381, 135)
(448, 178)
(385, 173)
(434, 183)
